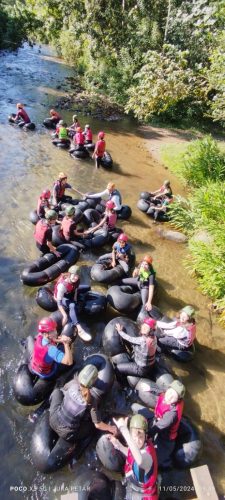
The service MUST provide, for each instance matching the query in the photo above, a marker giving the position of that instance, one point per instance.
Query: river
(30, 163)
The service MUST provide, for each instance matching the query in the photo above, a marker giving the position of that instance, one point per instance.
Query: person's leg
(56, 399)
(142, 410)
(131, 369)
(130, 281)
(124, 265)
(164, 449)
(169, 342)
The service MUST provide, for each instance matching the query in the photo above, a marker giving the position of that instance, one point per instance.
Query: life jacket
(148, 486)
(72, 408)
(23, 115)
(79, 138)
(38, 363)
(161, 408)
(122, 250)
(191, 334)
(60, 189)
(100, 148)
(70, 287)
(144, 354)
(41, 205)
(111, 220)
(88, 134)
(144, 276)
(116, 193)
(65, 227)
(62, 133)
(41, 229)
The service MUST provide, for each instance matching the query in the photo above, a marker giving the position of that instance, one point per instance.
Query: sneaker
(83, 335)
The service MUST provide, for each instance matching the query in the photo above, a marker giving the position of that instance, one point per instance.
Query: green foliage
(216, 80)
(202, 161)
(182, 215)
(163, 81)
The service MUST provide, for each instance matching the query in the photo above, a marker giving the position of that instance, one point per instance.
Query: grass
(172, 154)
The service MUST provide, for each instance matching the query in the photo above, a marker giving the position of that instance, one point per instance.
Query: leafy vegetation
(202, 215)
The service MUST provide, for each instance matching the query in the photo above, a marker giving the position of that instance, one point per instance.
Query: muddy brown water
(30, 163)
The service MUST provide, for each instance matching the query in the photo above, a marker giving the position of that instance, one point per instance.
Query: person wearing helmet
(72, 128)
(180, 333)
(59, 187)
(46, 357)
(43, 233)
(142, 359)
(159, 211)
(65, 294)
(164, 422)
(61, 133)
(141, 467)
(144, 280)
(121, 253)
(43, 203)
(77, 401)
(88, 134)
(113, 195)
(21, 115)
(69, 227)
(99, 150)
(108, 222)
(54, 116)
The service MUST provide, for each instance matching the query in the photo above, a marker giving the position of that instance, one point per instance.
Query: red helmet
(47, 325)
(101, 135)
(122, 237)
(150, 322)
(79, 129)
(148, 259)
(110, 204)
(46, 194)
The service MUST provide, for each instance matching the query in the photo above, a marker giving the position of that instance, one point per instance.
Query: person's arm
(125, 336)
(113, 256)
(179, 332)
(168, 419)
(93, 229)
(97, 195)
(166, 325)
(64, 358)
(52, 248)
(135, 272)
(148, 305)
(76, 191)
(143, 460)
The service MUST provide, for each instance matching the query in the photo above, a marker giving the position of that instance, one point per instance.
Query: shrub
(203, 161)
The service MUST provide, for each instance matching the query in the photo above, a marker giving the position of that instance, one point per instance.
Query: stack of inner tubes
(21, 123)
(49, 267)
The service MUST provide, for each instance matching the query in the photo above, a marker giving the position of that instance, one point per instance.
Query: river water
(30, 163)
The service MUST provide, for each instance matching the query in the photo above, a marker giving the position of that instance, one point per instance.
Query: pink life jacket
(191, 329)
(100, 148)
(38, 363)
(161, 408)
(23, 115)
(150, 487)
(79, 138)
(41, 229)
(65, 227)
(111, 220)
(70, 287)
(88, 135)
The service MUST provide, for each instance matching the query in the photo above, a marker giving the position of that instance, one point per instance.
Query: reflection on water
(29, 163)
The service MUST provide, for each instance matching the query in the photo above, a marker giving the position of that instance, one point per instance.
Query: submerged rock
(168, 234)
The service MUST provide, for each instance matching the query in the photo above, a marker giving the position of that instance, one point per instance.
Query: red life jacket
(70, 287)
(38, 363)
(59, 188)
(111, 220)
(150, 487)
(88, 135)
(41, 229)
(79, 138)
(65, 227)
(161, 408)
(191, 329)
(23, 115)
(100, 148)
